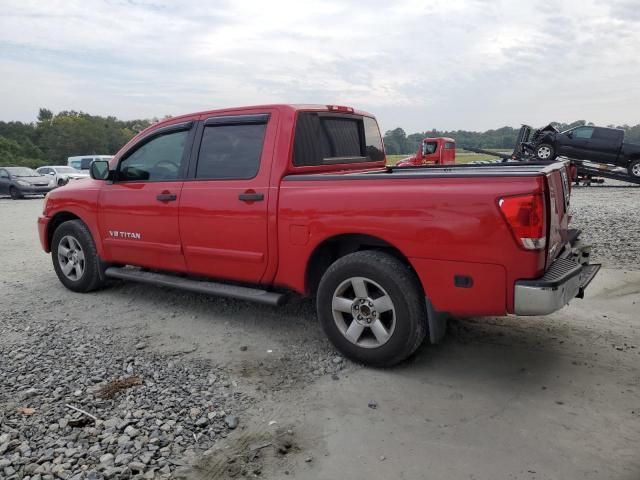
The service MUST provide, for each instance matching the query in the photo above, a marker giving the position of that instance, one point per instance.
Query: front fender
(68, 203)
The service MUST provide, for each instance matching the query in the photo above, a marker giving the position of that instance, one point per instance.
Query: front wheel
(634, 169)
(544, 151)
(15, 193)
(372, 308)
(75, 258)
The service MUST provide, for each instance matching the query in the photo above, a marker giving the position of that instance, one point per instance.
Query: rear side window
(610, 134)
(449, 145)
(230, 151)
(322, 139)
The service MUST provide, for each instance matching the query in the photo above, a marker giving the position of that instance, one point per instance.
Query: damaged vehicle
(586, 142)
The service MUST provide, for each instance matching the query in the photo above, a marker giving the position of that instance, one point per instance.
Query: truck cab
(432, 151)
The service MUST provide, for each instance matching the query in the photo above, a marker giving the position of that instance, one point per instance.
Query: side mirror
(99, 170)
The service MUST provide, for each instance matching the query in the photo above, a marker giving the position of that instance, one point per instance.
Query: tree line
(54, 137)
(397, 142)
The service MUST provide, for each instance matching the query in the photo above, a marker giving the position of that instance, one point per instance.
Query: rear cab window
(325, 138)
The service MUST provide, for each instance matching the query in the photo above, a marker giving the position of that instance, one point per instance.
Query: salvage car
(20, 181)
(260, 202)
(61, 174)
(586, 142)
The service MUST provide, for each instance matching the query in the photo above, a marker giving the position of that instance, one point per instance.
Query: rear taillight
(525, 215)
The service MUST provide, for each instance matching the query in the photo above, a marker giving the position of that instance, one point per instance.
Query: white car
(62, 174)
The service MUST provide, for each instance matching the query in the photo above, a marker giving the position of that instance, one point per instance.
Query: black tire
(91, 278)
(15, 193)
(545, 152)
(397, 281)
(634, 169)
(61, 182)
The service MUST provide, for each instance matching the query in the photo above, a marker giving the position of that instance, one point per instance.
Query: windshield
(67, 170)
(22, 172)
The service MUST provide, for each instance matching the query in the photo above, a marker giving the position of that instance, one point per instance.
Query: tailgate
(559, 188)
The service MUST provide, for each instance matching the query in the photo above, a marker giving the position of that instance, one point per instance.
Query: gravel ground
(608, 216)
(180, 385)
(171, 410)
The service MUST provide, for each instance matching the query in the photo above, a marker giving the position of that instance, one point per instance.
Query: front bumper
(567, 278)
(43, 222)
(35, 190)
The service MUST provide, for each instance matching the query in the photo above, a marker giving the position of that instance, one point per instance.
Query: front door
(577, 145)
(138, 215)
(223, 212)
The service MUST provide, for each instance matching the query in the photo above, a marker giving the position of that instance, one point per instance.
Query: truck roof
(291, 107)
(435, 139)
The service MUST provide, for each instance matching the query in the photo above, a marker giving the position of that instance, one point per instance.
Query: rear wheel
(544, 151)
(15, 193)
(372, 308)
(634, 169)
(75, 258)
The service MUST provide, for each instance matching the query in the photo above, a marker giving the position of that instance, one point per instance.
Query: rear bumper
(566, 279)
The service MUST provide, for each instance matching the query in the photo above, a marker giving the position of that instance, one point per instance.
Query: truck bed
(530, 169)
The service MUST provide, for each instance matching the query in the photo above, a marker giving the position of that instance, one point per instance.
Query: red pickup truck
(432, 151)
(259, 202)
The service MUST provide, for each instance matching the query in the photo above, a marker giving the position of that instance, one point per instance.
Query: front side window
(4, 174)
(230, 151)
(583, 132)
(429, 147)
(159, 159)
(449, 146)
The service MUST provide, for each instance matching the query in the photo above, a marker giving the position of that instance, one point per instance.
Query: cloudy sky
(447, 64)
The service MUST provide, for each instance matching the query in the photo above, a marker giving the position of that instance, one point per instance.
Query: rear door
(223, 211)
(138, 212)
(605, 144)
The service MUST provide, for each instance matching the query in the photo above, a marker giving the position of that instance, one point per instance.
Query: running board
(200, 286)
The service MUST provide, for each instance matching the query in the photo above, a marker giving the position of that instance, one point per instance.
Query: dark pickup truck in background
(596, 144)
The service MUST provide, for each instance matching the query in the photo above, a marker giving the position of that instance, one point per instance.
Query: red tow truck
(261, 202)
(432, 151)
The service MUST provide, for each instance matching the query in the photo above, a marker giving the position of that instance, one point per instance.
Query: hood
(549, 128)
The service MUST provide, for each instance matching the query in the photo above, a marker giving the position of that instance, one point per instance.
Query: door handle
(167, 197)
(251, 197)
